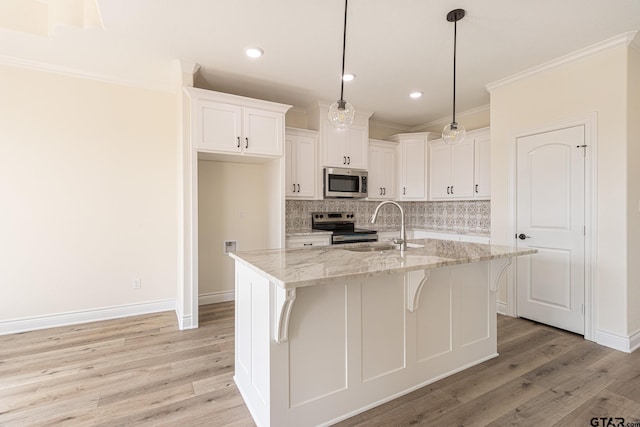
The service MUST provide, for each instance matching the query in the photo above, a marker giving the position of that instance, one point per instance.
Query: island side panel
(253, 339)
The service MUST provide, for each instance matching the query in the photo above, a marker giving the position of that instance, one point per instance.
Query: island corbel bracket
(496, 270)
(284, 304)
(416, 281)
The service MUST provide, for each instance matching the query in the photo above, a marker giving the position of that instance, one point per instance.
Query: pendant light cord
(455, 34)
(344, 47)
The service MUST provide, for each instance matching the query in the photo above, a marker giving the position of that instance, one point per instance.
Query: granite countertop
(293, 268)
(309, 232)
(306, 232)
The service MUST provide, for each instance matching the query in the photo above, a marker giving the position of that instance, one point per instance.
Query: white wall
(596, 83)
(233, 201)
(633, 190)
(88, 191)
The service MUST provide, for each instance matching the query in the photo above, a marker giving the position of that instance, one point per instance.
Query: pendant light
(341, 113)
(454, 132)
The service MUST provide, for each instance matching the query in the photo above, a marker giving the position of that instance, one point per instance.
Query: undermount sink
(382, 247)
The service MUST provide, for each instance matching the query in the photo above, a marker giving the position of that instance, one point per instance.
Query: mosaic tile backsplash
(472, 216)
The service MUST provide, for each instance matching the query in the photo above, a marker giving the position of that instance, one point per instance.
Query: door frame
(589, 121)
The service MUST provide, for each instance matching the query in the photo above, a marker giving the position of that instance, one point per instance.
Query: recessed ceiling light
(348, 77)
(415, 95)
(254, 52)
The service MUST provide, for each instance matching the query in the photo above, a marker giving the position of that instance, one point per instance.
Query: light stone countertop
(307, 232)
(293, 268)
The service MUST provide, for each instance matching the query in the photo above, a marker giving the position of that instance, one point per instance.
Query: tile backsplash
(472, 216)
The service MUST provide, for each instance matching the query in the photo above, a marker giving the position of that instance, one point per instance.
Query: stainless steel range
(343, 226)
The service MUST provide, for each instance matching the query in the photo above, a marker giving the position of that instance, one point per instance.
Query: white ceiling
(394, 47)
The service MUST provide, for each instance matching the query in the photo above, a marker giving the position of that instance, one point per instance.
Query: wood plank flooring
(143, 371)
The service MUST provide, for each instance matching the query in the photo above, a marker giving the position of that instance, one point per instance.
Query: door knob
(523, 236)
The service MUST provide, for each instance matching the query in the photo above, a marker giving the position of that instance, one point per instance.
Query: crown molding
(447, 119)
(400, 128)
(621, 40)
(81, 74)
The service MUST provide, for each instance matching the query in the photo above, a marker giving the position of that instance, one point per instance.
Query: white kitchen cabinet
(482, 186)
(382, 170)
(301, 171)
(461, 171)
(451, 170)
(307, 241)
(231, 124)
(412, 165)
(345, 148)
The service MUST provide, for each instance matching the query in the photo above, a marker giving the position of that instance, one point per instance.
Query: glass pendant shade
(453, 133)
(341, 114)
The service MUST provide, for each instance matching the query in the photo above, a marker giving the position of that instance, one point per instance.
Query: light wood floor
(143, 371)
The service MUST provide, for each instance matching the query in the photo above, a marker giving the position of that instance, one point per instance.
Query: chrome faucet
(403, 233)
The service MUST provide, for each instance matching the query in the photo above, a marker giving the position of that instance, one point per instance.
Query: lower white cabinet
(308, 241)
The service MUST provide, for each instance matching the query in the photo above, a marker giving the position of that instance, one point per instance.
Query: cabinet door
(439, 171)
(413, 170)
(462, 170)
(482, 188)
(218, 126)
(389, 165)
(333, 143)
(262, 132)
(357, 147)
(305, 160)
(291, 191)
(376, 173)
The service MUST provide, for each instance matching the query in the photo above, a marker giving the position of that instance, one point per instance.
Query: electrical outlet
(137, 283)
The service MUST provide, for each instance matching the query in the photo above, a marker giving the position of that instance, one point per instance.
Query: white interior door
(550, 218)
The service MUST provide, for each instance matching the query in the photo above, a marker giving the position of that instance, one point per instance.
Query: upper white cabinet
(342, 148)
(345, 148)
(482, 187)
(460, 171)
(300, 164)
(412, 165)
(224, 123)
(382, 170)
(451, 170)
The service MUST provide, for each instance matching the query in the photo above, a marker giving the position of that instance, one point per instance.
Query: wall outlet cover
(230, 246)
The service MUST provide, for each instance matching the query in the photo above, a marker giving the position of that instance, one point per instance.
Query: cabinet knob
(298, 188)
(238, 143)
(404, 190)
(246, 145)
(344, 160)
(448, 190)
(380, 191)
(384, 191)
(476, 188)
(294, 188)
(452, 189)
(348, 160)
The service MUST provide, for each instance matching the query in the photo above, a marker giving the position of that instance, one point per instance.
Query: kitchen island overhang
(323, 334)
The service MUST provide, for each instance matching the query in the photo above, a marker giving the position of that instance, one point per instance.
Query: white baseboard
(501, 308)
(84, 316)
(216, 297)
(618, 342)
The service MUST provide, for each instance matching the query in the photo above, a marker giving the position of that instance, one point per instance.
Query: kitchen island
(323, 334)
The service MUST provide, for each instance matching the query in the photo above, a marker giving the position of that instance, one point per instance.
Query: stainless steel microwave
(345, 183)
